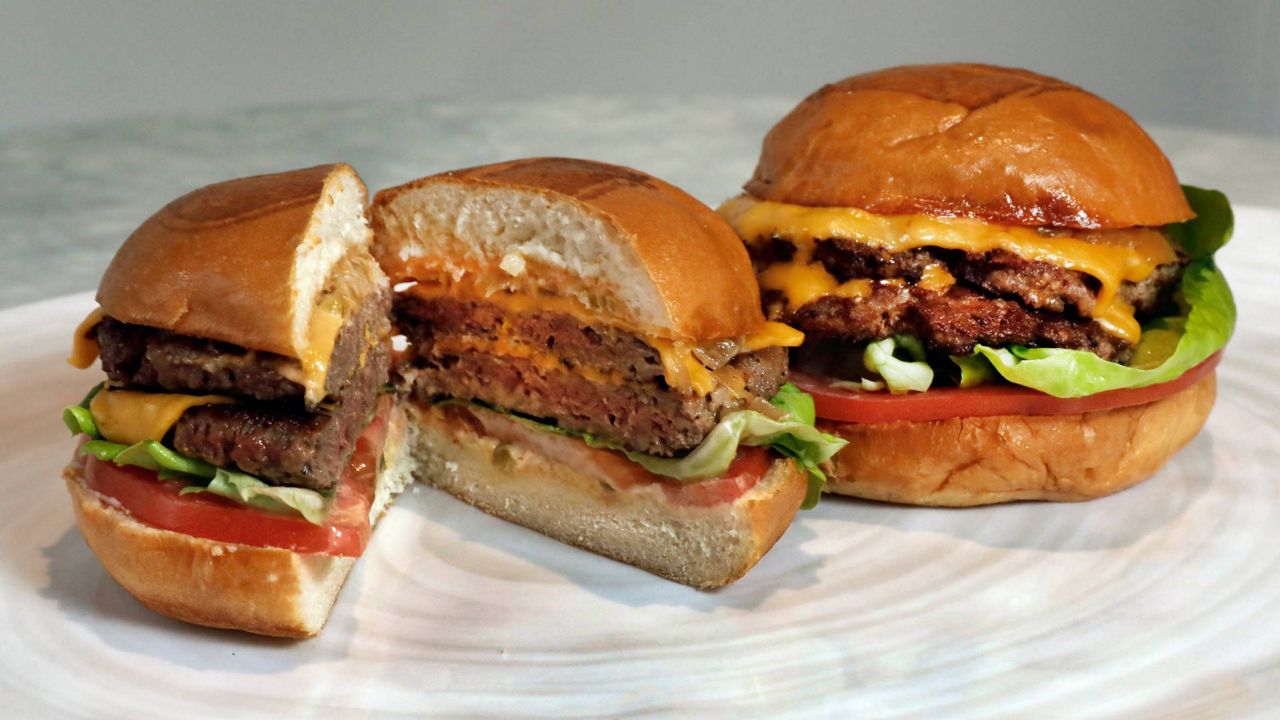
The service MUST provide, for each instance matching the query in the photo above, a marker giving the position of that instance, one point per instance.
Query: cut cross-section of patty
(284, 444)
(150, 358)
(598, 380)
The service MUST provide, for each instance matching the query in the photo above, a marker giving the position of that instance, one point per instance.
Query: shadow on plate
(88, 597)
(1115, 521)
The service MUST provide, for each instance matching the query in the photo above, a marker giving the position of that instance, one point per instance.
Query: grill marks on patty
(999, 298)
(268, 432)
(589, 379)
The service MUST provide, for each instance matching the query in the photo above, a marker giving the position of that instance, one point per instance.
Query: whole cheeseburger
(1004, 291)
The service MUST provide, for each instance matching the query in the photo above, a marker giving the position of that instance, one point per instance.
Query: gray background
(1186, 62)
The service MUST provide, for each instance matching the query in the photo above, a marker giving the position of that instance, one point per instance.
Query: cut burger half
(242, 443)
(1004, 291)
(587, 357)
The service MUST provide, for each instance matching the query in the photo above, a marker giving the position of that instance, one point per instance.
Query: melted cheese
(773, 334)
(855, 289)
(128, 416)
(84, 344)
(681, 368)
(936, 278)
(1112, 257)
(326, 321)
(800, 282)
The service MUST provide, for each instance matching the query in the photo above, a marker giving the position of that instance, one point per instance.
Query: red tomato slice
(158, 503)
(746, 470)
(982, 401)
(744, 473)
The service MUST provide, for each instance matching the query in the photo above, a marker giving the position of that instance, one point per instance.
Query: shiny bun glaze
(220, 262)
(998, 144)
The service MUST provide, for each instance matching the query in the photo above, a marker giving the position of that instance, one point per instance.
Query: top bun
(998, 144)
(628, 247)
(245, 261)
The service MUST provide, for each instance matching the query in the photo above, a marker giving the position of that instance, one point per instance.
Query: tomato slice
(857, 406)
(744, 473)
(747, 469)
(158, 503)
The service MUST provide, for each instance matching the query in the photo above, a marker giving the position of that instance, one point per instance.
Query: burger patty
(999, 298)
(951, 322)
(1038, 285)
(151, 358)
(287, 445)
(424, 320)
(623, 396)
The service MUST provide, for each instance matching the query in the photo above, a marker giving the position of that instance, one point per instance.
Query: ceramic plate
(1161, 601)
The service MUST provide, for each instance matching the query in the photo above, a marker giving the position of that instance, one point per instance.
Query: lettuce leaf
(974, 370)
(169, 464)
(794, 436)
(1212, 226)
(79, 421)
(900, 362)
(1169, 346)
(251, 491)
(1075, 373)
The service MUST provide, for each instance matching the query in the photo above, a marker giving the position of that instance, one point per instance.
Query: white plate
(1161, 601)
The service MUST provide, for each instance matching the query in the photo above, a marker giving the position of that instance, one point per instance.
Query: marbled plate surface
(1162, 601)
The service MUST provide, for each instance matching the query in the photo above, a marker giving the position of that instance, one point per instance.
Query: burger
(242, 442)
(586, 356)
(1004, 292)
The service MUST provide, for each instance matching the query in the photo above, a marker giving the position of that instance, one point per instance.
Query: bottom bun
(263, 590)
(961, 462)
(704, 547)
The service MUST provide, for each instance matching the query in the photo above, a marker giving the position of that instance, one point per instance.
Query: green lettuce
(1169, 346)
(1075, 373)
(1203, 330)
(793, 436)
(900, 363)
(200, 476)
(251, 491)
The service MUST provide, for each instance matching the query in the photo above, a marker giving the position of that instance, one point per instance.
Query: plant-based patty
(286, 445)
(150, 358)
(590, 379)
(994, 298)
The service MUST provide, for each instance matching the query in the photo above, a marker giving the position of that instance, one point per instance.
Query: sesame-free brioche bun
(245, 261)
(961, 462)
(998, 144)
(262, 590)
(627, 247)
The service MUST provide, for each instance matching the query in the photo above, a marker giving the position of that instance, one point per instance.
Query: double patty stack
(596, 379)
(270, 430)
(288, 386)
(497, 339)
(953, 300)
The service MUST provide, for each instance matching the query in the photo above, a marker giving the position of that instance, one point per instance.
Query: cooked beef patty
(999, 298)
(604, 381)
(150, 358)
(283, 444)
(951, 322)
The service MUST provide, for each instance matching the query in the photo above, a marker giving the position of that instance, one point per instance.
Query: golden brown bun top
(219, 262)
(998, 144)
(686, 257)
